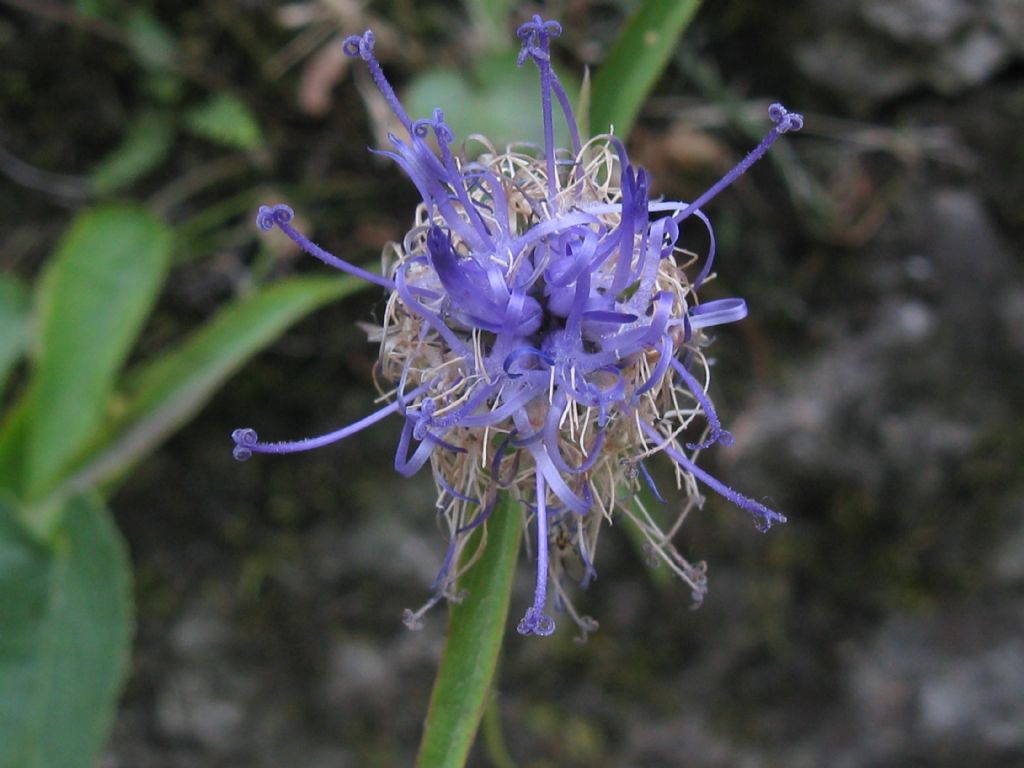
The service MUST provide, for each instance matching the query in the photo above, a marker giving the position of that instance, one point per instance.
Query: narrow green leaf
(14, 324)
(97, 292)
(476, 627)
(145, 145)
(225, 120)
(65, 634)
(14, 430)
(635, 62)
(95, 9)
(166, 393)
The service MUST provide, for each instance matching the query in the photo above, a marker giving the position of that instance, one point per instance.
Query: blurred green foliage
(635, 61)
(65, 609)
(225, 119)
(88, 402)
(78, 423)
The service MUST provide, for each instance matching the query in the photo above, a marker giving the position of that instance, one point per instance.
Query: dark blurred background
(874, 391)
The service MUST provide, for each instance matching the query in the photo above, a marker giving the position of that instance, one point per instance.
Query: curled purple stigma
(280, 216)
(271, 216)
(362, 46)
(245, 440)
(542, 337)
(536, 35)
(785, 122)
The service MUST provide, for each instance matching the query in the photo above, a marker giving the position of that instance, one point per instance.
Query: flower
(542, 338)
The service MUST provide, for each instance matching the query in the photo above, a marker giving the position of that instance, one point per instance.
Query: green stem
(476, 627)
(494, 739)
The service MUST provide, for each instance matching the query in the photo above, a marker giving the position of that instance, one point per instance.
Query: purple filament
(280, 215)
(536, 622)
(765, 517)
(567, 327)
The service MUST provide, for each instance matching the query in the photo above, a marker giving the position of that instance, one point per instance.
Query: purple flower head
(542, 338)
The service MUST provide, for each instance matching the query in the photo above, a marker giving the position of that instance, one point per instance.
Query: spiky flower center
(542, 338)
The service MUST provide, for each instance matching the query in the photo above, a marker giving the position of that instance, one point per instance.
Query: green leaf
(225, 120)
(14, 431)
(95, 9)
(635, 62)
(153, 43)
(165, 394)
(491, 20)
(14, 325)
(97, 292)
(145, 145)
(65, 634)
(476, 627)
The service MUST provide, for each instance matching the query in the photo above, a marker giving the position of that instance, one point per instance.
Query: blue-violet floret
(542, 338)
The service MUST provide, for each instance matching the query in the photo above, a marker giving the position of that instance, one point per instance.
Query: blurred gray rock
(968, 61)
(1008, 562)
(861, 377)
(914, 21)
(1011, 312)
(857, 69)
(876, 50)
(973, 267)
(944, 683)
(1008, 18)
(370, 677)
(391, 543)
(196, 705)
(656, 743)
(204, 699)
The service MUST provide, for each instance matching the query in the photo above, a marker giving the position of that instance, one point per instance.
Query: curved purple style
(541, 336)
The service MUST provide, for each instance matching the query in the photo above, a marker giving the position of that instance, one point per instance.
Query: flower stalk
(476, 628)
